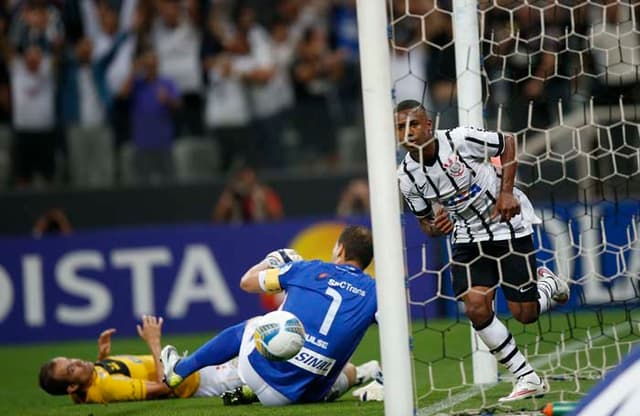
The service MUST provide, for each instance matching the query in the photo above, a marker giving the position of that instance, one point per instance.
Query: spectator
(89, 141)
(615, 54)
(5, 88)
(33, 91)
(270, 88)
(245, 199)
(345, 39)
(52, 222)
(533, 67)
(114, 39)
(177, 40)
(38, 24)
(441, 69)
(153, 102)
(354, 199)
(315, 72)
(412, 62)
(226, 60)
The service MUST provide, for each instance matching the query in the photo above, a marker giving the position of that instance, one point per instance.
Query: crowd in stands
(533, 54)
(101, 92)
(97, 93)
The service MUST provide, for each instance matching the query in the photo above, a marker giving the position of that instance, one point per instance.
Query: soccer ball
(279, 335)
(279, 258)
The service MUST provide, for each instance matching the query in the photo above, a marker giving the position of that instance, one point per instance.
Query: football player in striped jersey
(450, 185)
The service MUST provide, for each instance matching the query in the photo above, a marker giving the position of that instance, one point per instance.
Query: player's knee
(477, 312)
(526, 316)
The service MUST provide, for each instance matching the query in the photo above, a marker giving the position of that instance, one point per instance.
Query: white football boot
(169, 357)
(526, 386)
(561, 293)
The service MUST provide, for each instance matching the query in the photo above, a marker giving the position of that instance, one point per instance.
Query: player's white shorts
(267, 395)
(216, 379)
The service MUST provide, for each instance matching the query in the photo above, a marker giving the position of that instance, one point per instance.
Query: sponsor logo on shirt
(313, 362)
(316, 341)
(463, 196)
(348, 287)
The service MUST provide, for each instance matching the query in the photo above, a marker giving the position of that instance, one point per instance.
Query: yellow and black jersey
(123, 378)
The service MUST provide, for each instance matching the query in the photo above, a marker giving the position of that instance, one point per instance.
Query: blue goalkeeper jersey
(336, 304)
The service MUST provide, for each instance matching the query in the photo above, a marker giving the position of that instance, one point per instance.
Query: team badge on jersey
(453, 166)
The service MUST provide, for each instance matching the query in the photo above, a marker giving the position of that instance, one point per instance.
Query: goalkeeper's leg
(217, 350)
(353, 376)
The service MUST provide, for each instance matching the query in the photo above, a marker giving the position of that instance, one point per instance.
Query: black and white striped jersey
(466, 184)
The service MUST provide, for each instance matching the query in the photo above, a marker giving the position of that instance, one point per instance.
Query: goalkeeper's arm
(263, 277)
(250, 282)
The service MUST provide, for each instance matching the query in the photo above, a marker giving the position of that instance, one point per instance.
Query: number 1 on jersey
(331, 312)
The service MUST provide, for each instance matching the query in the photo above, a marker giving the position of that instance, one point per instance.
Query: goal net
(563, 78)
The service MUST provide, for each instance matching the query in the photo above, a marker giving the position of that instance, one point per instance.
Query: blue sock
(218, 350)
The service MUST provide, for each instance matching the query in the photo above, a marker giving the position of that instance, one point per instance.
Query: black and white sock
(501, 344)
(546, 288)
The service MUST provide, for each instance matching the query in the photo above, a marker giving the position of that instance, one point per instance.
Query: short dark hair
(49, 383)
(358, 244)
(409, 105)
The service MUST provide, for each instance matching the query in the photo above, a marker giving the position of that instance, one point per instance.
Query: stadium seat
(126, 164)
(195, 159)
(351, 147)
(91, 156)
(5, 156)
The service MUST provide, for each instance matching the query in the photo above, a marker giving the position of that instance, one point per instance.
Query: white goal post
(467, 52)
(385, 208)
(562, 78)
(385, 202)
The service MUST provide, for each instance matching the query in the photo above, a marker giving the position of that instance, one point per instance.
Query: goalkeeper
(491, 222)
(336, 303)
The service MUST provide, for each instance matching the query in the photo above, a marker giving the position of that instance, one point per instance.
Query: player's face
(72, 370)
(413, 129)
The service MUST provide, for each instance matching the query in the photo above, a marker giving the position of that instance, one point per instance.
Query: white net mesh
(564, 78)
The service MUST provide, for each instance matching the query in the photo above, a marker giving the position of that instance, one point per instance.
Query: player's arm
(150, 332)
(250, 282)
(265, 276)
(507, 205)
(104, 343)
(119, 388)
(432, 224)
(441, 224)
(156, 389)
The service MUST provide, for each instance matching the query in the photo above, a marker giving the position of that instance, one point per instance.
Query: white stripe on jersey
(464, 181)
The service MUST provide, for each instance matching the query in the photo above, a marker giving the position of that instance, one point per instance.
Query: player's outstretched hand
(104, 343)
(151, 328)
(507, 207)
(442, 221)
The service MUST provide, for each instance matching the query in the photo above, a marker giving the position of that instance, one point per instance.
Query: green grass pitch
(21, 396)
(440, 348)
